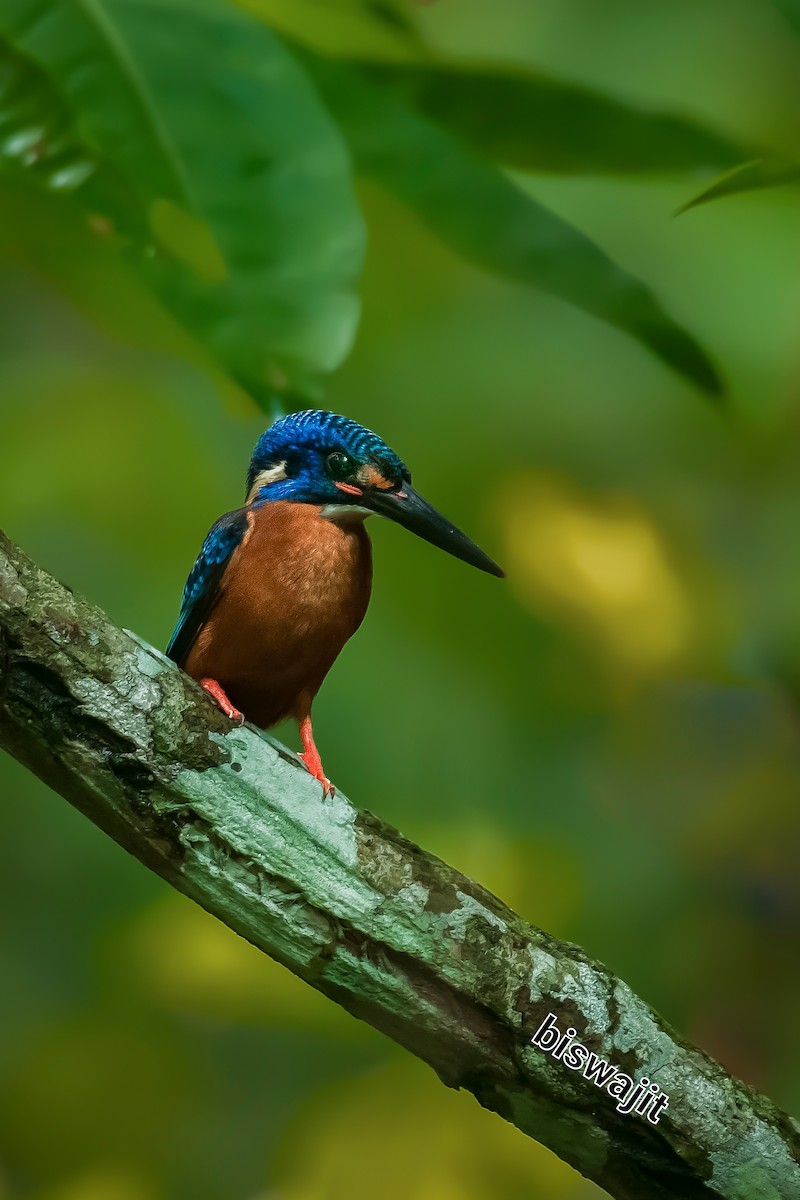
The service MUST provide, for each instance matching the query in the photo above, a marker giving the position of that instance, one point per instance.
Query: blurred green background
(608, 740)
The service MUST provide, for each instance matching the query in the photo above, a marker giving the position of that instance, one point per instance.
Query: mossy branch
(399, 939)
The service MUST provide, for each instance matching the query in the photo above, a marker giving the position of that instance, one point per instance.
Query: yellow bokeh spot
(112, 1182)
(599, 563)
(396, 1132)
(187, 961)
(537, 877)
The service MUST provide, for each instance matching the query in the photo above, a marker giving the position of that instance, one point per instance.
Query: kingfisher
(281, 583)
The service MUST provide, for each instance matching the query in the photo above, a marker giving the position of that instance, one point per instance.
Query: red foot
(311, 759)
(214, 689)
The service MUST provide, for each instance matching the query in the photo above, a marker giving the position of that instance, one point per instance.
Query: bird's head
(320, 458)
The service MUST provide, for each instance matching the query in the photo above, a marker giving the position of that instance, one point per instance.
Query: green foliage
(239, 187)
(491, 221)
(343, 28)
(522, 118)
(530, 121)
(195, 142)
(748, 177)
(608, 740)
(755, 174)
(791, 10)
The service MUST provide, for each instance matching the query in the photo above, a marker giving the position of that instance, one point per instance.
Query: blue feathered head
(306, 455)
(320, 458)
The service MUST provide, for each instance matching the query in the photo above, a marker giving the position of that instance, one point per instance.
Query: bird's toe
(223, 703)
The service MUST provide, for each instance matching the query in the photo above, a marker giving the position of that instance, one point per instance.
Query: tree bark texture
(398, 938)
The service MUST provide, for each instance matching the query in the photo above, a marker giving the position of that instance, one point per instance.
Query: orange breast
(294, 592)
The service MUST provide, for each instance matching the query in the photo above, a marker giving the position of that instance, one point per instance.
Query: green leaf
(791, 11)
(522, 118)
(485, 217)
(535, 123)
(40, 143)
(748, 177)
(50, 233)
(224, 157)
(342, 30)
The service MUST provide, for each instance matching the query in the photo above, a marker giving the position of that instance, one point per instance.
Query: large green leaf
(522, 118)
(791, 10)
(528, 120)
(748, 177)
(484, 216)
(339, 29)
(227, 159)
(40, 142)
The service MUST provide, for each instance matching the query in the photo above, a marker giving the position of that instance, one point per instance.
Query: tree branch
(231, 819)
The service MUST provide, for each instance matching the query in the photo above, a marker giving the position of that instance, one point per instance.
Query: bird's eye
(340, 465)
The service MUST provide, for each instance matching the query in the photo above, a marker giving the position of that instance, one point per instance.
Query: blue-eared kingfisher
(281, 583)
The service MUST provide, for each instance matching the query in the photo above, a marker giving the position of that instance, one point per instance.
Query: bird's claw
(223, 703)
(311, 760)
(317, 773)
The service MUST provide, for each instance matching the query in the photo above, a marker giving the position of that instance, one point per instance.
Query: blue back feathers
(202, 586)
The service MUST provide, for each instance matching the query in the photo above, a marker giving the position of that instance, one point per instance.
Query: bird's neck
(300, 538)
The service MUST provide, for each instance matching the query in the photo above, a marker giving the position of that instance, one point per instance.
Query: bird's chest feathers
(297, 569)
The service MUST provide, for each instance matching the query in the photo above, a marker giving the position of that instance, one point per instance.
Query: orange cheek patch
(350, 488)
(371, 477)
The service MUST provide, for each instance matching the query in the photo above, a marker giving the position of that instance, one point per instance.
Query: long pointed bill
(408, 509)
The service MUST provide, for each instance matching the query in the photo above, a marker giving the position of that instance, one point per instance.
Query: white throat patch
(344, 514)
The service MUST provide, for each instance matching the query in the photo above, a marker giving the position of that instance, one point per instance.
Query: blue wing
(202, 586)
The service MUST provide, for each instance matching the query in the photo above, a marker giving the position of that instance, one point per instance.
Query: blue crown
(290, 439)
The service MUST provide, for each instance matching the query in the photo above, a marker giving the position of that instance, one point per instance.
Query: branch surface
(398, 938)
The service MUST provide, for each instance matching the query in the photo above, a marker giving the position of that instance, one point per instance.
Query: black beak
(408, 509)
